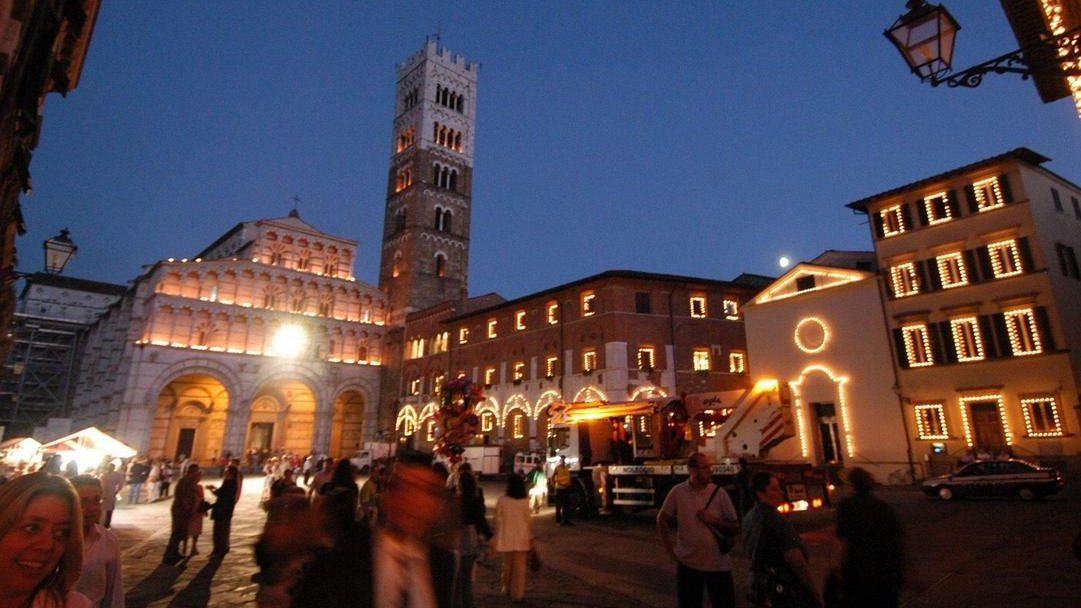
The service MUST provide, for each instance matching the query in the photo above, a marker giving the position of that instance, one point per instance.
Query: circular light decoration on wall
(290, 341)
(811, 335)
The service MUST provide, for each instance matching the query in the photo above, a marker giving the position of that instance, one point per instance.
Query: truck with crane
(627, 456)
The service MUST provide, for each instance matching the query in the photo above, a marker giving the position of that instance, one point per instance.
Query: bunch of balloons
(458, 421)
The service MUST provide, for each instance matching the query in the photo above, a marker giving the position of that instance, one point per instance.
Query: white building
(264, 341)
(819, 331)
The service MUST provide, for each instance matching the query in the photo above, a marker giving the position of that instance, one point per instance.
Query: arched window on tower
(399, 220)
(453, 182)
(396, 266)
(440, 265)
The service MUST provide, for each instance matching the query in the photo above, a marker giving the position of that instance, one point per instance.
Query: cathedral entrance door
(262, 433)
(185, 443)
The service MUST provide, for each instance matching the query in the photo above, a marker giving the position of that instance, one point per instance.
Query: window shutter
(921, 212)
(906, 214)
(975, 273)
(929, 274)
(944, 349)
(899, 346)
(1004, 185)
(951, 199)
(983, 256)
(1043, 323)
(987, 334)
(887, 280)
(973, 205)
(876, 221)
(1002, 336)
(1026, 254)
(955, 204)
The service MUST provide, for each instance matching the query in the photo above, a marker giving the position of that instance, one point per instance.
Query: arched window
(396, 267)
(440, 265)
(453, 182)
(399, 220)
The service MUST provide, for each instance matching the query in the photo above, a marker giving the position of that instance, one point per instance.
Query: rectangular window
(519, 320)
(951, 270)
(904, 281)
(931, 421)
(737, 363)
(489, 376)
(437, 382)
(698, 307)
(645, 358)
(701, 359)
(551, 367)
(988, 194)
(430, 434)
(518, 426)
(1076, 207)
(487, 422)
(589, 304)
(589, 361)
(967, 342)
(1005, 258)
(519, 371)
(492, 328)
(1067, 261)
(937, 207)
(893, 221)
(414, 386)
(917, 345)
(642, 304)
(1042, 417)
(731, 310)
(552, 313)
(1024, 337)
(1057, 200)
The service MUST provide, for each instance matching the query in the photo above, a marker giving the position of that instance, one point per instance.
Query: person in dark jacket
(871, 532)
(474, 528)
(222, 511)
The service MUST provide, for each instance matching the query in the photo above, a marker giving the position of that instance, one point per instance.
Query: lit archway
(347, 426)
(189, 420)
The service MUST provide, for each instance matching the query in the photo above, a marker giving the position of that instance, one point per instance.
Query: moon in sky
(784, 261)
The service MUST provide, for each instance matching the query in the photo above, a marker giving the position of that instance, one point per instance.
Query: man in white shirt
(697, 509)
(111, 483)
(101, 579)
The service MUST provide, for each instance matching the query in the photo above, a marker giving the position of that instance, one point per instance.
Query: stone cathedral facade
(265, 340)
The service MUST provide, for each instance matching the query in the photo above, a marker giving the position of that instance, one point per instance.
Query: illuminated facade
(264, 340)
(982, 294)
(617, 336)
(819, 331)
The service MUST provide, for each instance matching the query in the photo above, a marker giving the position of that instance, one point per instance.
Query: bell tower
(425, 256)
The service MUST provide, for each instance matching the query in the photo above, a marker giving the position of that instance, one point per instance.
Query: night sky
(694, 138)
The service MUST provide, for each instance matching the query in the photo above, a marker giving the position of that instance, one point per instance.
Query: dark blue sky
(696, 138)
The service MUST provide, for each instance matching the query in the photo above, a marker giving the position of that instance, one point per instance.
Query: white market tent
(19, 449)
(90, 439)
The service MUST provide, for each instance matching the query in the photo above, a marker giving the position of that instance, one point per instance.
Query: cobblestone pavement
(200, 581)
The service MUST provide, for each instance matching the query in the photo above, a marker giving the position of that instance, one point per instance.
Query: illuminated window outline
(893, 220)
(431, 430)
(737, 363)
(519, 320)
(1001, 403)
(589, 360)
(931, 421)
(589, 299)
(698, 307)
(414, 386)
(1023, 331)
(904, 280)
(1042, 418)
(988, 194)
(731, 309)
(489, 376)
(551, 366)
(951, 270)
(492, 333)
(518, 425)
(931, 207)
(1005, 258)
(700, 359)
(519, 371)
(967, 341)
(463, 335)
(644, 358)
(552, 313)
(487, 422)
(917, 345)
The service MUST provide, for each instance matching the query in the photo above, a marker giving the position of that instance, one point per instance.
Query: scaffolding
(37, 381)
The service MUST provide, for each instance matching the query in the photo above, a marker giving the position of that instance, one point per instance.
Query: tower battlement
(433, 52)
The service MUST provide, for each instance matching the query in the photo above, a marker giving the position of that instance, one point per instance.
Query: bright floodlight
(784, 261)
(290, 341)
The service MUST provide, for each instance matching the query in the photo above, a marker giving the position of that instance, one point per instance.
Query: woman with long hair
(41, 543)
(514, 535)
(222, 511)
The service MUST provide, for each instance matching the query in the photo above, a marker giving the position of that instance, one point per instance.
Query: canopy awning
(598, 410)
(90, 438)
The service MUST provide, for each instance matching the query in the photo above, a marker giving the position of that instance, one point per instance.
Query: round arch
(589, 393)
(189, 417)
(818, 384)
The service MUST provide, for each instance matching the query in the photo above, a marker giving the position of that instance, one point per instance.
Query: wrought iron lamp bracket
(1061, 55)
